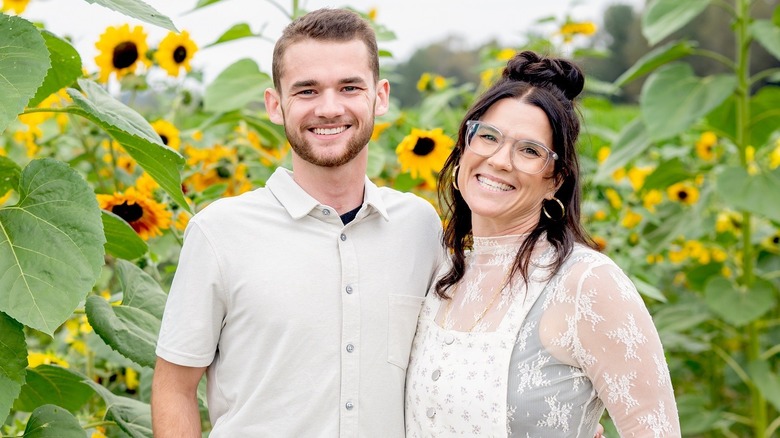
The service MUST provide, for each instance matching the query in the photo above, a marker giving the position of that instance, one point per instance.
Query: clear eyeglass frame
(530, 157)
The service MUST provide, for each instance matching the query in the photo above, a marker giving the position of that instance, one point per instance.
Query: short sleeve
(196, 305)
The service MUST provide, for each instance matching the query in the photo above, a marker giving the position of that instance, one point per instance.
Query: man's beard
(355, 145)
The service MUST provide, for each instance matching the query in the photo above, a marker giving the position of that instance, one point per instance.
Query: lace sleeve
(621, 353)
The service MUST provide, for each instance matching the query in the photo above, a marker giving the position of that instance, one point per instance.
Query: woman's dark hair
(550, 84)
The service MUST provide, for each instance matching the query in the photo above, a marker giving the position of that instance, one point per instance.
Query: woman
(530, 332)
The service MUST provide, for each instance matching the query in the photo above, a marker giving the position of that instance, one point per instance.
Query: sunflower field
(101, 170)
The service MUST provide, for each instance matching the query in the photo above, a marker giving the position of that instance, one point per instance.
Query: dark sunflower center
(125, 54)
(180, 54)
(130, 213)
(223, 172)
(424, 146)
(682, 194)
(776, 240)
(164, 139)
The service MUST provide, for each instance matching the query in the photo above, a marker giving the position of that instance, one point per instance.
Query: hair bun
(560, 73)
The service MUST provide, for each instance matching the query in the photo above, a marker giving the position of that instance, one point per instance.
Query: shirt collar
(298, 203)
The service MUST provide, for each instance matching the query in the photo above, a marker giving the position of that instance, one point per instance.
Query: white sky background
(415, 23)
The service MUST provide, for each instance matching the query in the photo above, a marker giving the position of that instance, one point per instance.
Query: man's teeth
(329, 131)
(493, 185)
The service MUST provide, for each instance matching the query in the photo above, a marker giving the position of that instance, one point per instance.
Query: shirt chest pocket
(402, 323)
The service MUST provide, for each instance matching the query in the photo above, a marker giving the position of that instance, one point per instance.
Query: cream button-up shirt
(305, 323)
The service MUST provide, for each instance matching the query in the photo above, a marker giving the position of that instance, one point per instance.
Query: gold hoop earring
(455, 177)
(560, 204)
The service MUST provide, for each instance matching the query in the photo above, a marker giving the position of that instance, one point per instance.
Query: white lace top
(544, 360)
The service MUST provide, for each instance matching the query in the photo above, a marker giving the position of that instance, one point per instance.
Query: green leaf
(768, 35)
(50, 421)
(49, 384)
(632, 141)
(132, 327)
(65, 67)
(132, 416)
(13, 357)
(9, 175)
(766, 381)
(742, 191)
(204, 3)
(739, 306)
(51, 245)
(24, 61)
(654, 59)
(666, 174)
(673, 99)
(238, 31)
(764, 115)
(134, 133)
(121, 240)
(236, 86)
(664, 17)
(376, 161)
(138, 9)
(648, 289)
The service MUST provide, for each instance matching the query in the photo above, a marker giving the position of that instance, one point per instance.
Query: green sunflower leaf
(121, 240)
(631, 142)
(238, 31)
(664, 17)
(739, 306)
(204, 3)
(766, 381)
(654, 59)
(133, 132)
(673, 99)
(49, 384)
(51, 245)
(50, 421)
(132, 416)
(132, 327)
(24, 61)
(768, 35)
(138, 9)
(236, 86)
(742, 191)
(9, 175)
(13, 356)
(65, 67)
(666, 174)
(764, 117)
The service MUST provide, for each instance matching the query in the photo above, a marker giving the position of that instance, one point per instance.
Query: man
(300, 299)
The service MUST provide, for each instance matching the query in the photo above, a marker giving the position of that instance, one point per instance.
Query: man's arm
(175, 400)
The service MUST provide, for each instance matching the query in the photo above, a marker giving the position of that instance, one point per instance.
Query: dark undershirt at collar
(350, 215)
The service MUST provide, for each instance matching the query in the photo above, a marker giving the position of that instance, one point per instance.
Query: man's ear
(382, 97)
(273, 106)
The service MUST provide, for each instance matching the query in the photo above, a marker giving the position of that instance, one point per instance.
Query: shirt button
(436, 374)
(326, 212)
(449, 339)
(350, 348)
(430, 412)
(349, 405)
(343, 237)
(349, 289)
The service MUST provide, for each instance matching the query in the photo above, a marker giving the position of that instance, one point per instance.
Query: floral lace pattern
(545, 360)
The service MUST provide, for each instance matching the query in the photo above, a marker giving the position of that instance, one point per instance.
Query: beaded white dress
(545, 359)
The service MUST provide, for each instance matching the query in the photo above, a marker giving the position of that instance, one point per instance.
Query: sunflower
(683, 193)
(168, 133)
(631, 219)
(705, 145)
(18, 6)
(571, 29)
(144, 214)
(35, 359)
(424, 152)
(269, 154)
(651, 199)
(217, 165)
(774, 156)
(120, 51)
(637, 176)
(175, 51)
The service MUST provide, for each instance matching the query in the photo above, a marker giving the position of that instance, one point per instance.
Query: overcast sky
(415, 22)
